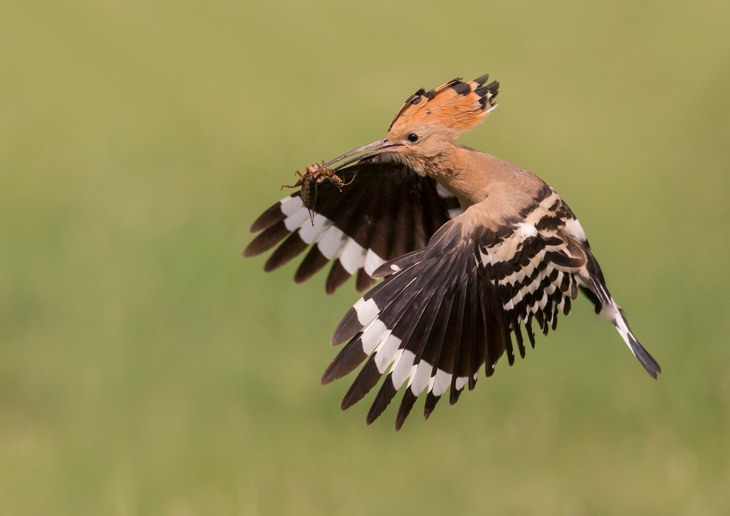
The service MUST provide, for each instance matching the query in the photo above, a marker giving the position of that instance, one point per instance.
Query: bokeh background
(146, 368)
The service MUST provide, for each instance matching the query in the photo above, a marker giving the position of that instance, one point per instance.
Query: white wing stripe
(372, 262)
(421, 377)
(441, 382)
(352, 256)
(402, 368)
(331, 242)
(373, 335)
(387, 352)
(289, 205)
(296, 219)
(311, 233)
(366, 311)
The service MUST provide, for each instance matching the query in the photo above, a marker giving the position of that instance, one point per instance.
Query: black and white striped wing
(445, 311)
(384, 210)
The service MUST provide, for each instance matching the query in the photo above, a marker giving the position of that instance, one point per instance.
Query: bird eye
(412, 137)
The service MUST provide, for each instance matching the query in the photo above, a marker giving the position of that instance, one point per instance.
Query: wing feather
(460, 303)
(383, 211)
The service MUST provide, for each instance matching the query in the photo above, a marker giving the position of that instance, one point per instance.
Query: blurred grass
(146, 369)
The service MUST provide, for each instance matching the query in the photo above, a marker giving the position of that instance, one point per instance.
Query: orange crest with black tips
(458, 106)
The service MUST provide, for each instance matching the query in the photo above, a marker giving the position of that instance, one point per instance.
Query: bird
(471, 254)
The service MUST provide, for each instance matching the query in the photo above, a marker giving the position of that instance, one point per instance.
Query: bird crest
(457, 106)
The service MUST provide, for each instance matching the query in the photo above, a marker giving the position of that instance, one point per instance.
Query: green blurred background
(146, 368)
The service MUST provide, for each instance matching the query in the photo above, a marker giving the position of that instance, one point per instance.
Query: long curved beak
(366, 151)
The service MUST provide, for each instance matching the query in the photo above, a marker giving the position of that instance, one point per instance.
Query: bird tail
(606, 306)
(594, 286)
(617, 317)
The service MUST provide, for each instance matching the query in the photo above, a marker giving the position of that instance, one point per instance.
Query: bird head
(429, 121)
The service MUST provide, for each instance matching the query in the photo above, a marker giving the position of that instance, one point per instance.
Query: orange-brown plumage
(454, 107)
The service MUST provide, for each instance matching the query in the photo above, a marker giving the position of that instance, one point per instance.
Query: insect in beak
(317, 174)
(309, 181)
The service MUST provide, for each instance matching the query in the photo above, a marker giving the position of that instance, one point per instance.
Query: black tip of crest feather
(493, 88)
(482, 79)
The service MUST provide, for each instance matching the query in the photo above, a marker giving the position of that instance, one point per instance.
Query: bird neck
(463, 171)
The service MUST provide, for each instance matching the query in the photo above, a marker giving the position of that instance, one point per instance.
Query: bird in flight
(472, 251)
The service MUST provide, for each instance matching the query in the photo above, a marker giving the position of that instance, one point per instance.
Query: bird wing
(445, 311)
(381, 211)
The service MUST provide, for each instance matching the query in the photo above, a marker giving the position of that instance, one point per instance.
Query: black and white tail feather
(447, 310)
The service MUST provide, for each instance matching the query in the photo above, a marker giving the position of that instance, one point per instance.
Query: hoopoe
(471, 249)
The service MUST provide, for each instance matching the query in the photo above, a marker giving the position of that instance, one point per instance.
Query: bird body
(472, 250)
